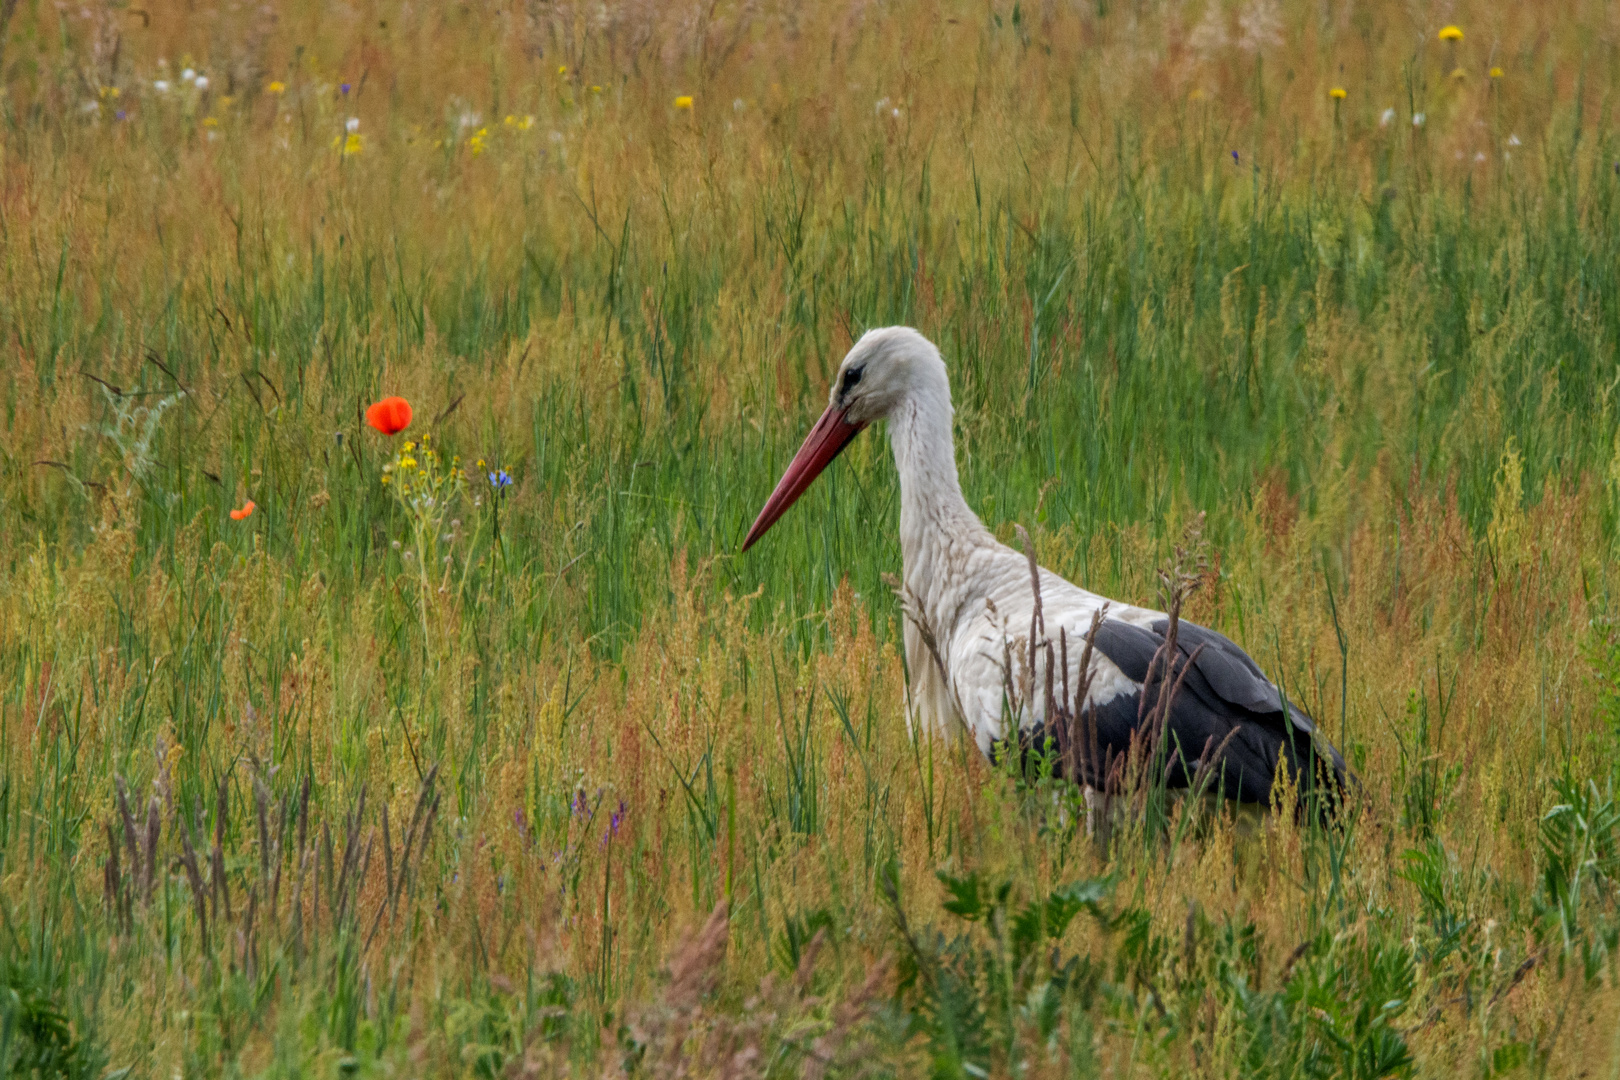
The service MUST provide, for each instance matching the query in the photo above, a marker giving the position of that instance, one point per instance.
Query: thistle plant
(133, 430)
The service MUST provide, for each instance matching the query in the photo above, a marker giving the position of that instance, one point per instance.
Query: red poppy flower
(247, 508)
(390, 416)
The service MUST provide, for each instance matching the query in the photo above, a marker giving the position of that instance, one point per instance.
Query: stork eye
(851, 377)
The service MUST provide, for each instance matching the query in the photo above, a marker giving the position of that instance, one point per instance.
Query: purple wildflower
(613, 823)
(345, 88)
(1235, 160)
(121, 114)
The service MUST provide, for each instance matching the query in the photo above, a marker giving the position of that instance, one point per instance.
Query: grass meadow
(545, 779)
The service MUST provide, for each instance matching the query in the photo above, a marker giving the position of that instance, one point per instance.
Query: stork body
(971, 604)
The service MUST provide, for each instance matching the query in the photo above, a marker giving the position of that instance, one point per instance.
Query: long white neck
(936, 525)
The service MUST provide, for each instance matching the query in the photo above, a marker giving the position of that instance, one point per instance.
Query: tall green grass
(1170, 277)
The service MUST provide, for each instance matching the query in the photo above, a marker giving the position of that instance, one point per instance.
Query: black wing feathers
(1230, 672)
(1130, 647)
(1223, 689)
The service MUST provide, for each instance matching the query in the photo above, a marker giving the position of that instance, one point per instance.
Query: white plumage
(971, 603)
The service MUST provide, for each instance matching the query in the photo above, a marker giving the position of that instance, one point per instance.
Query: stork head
(882, 371)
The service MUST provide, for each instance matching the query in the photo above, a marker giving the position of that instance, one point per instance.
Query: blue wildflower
(500, 479)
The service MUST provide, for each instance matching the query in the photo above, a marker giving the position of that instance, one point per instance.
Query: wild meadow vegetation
(541, 777)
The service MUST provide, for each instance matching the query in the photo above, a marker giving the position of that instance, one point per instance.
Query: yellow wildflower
(1450, 33)
(277, 87)
(407, 462)
(1458, 73)
(352, 144)
(210, 121)
(596, 89)
(1337, 93)
(562, 69)
(1496, 73)
(684, 101)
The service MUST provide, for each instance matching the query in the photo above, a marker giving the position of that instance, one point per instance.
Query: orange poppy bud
(247, 508)
(390, 416)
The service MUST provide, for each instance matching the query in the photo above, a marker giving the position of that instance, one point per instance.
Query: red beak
(826, 440)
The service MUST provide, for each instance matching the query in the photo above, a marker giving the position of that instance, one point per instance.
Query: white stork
(971, 606)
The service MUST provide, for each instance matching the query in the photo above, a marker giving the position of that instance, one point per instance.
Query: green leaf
(967, 895)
